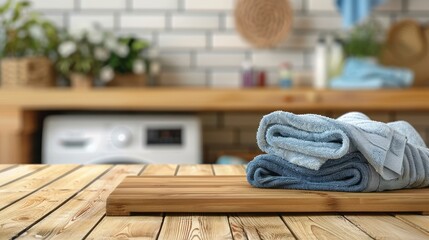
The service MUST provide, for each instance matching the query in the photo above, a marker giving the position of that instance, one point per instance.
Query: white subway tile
(215, 59)
(104, 4)
(155, 4)
(195, 22)
(53, 4)
(318, 23)
(136, 21)
(299, 41)
(56, 19)
(212, 5)
(187, 41)
(183, 78)
(176, 59)
(321, 5)
(229, 40)
(418, 5)
(229, 22)
(85, 21)
(274, 59)
(225, 80)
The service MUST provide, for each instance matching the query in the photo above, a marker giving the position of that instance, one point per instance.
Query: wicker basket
(27, 72)
(128, 80)
(263, 23)
(81, 81)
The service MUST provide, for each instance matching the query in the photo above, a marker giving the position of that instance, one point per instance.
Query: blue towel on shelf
(354, 11)
(364, 74)
(318, 153)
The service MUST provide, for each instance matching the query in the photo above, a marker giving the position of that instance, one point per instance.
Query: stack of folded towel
(352, 153)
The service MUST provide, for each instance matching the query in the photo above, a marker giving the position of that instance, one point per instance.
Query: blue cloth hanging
(354, 11)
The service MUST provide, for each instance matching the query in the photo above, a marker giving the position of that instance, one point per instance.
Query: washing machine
(115, 139)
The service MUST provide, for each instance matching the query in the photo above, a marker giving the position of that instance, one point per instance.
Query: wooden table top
(68, 202)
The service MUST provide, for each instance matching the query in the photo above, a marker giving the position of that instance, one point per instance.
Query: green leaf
(5, 7)
(18, 9)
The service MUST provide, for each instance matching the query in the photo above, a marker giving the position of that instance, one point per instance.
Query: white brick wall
(225, 79)
(216, 59)
(154, 4)
(146, 21)
(53, 4)
(102, 5)
(216, 5)
(201, 22)
(189, 40)
(80, 21)
(197, 41)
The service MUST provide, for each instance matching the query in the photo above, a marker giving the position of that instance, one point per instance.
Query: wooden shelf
(203, 99)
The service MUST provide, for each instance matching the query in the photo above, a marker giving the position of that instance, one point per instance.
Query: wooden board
(234, 194)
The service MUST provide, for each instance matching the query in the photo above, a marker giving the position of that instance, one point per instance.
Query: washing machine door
(120, 159)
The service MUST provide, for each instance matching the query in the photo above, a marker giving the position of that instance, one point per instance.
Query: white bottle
(336, 59)
(321, 64)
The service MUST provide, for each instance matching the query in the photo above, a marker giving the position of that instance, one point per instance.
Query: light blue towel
(354, 11)
(319, 153)
(364, 74)
(309, 140)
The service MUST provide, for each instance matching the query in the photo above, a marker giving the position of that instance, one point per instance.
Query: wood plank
(234, 194)
(18, 172)
(229, 170)
(130, 227)
(248, 226)
(25, 186)
(200, 226)
(75, 218)
(195, 226)
(195, 170)
(259, 227)
(146, 227)
(183, 99)
(24, 213)
(419, 221)
(323, 227)
(386, 227)
(4, 167)
(160, 170)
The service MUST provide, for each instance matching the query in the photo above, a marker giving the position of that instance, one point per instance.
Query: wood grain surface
(71, 205)
(234, 194)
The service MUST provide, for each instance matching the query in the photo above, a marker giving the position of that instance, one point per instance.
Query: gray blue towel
(351, 173)
(303, 151)
(364, 74)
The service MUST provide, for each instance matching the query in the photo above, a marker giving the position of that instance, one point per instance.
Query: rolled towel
(309, 140)
(351, 173)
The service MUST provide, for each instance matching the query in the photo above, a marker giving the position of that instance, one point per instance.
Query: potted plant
(77, 59)
(364, 41)
(126, 62)
(85, 55)
(26, 43)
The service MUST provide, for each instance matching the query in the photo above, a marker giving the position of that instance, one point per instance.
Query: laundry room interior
(197, 49)
(274, 90)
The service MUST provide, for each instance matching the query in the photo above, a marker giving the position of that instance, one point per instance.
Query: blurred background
(187, 81)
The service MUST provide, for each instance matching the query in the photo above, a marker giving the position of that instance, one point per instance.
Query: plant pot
(80, 81)
(128, 80)
(27, 72)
